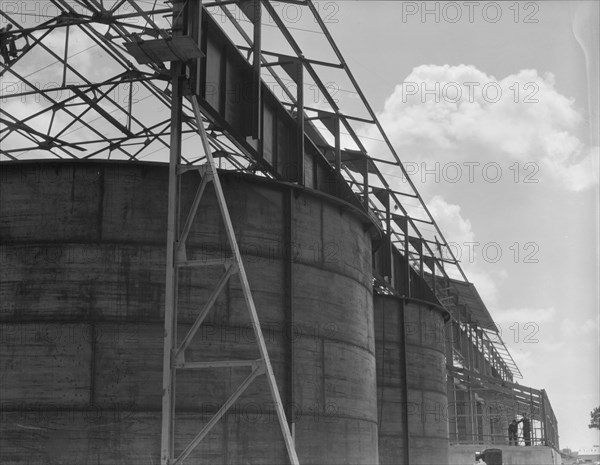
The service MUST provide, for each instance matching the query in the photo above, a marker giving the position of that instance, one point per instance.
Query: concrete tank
(82, 295)
(411, 381)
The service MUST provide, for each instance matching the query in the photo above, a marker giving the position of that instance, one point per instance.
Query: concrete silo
(411, 381)
(82, 291)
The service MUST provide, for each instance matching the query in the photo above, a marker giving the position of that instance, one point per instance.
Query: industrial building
(200, 265)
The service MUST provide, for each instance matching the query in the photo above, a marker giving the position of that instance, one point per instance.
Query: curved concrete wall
(82, 295)
(413, 406)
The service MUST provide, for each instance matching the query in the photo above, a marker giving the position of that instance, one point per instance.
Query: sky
(492, 114)
(493, 108)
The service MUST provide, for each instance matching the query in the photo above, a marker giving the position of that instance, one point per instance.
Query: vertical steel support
(472, 425)
(440, 263)
(170, 335)
(402, 223)
(407, 259)
(294, 67)
(253, 11)
(543, 422)
(417, 243)
(531, 415)
(389, 263)
(338, 156)
(256, 65)
(288, 251)
(477, 351)
(455, 399)
(366, 182)
(434, 261)
(470, 419)
(421, 263)
(300, 120)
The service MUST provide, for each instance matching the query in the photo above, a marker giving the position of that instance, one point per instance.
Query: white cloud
(577, 176)
(486, 282)
(524, 315)
(574, 329)
(458, 232)
(459, 113)
(525, 359)
(449, 219)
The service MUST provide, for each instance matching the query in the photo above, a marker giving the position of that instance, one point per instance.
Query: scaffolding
(481, 407)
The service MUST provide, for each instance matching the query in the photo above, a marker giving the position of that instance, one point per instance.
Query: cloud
(535, 333)
(535, 315)
(577, 176)
(486, 282)
(449, 219)
(458, 232)
(575, 329)
(461, 114)
(525, 359)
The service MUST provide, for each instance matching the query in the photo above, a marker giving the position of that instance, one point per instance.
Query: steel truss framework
(177, 260)
(117, 109)
(480, 408)
(76, 90)
(174, 353)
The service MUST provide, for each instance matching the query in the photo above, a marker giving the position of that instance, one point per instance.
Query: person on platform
(526, 429)
(513, 429)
